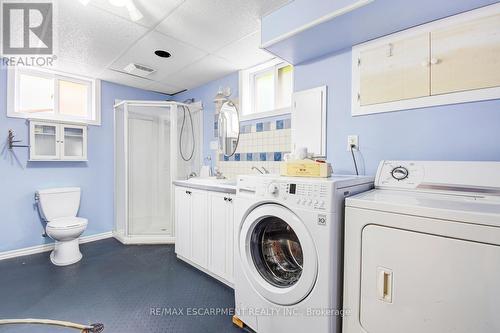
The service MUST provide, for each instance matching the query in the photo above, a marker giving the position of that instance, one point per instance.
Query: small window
(266, 90)
(43, 94)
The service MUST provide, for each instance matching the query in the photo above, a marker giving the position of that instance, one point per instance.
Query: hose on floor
(93, 328)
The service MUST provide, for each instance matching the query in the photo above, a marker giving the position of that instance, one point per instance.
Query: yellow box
(305, 168)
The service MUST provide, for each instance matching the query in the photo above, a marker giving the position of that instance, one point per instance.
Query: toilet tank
(59, 202)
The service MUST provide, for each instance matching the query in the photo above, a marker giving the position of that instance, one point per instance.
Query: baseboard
(138, 240)
(49, 247)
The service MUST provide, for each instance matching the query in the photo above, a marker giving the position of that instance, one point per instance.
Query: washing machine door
(278, 254)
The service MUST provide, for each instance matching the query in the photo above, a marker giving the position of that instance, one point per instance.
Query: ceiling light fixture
(134, 13)
(163, 54)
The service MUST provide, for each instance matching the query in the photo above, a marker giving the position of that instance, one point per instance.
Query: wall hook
(12, 142)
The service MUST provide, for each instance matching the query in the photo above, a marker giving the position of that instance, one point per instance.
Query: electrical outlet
(352, 140)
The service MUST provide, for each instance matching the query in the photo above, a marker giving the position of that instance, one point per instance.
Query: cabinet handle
(229, 199)
(435, 61)
(225, 198)
(188, 192)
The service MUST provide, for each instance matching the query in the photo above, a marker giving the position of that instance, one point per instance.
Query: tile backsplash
(263, 143)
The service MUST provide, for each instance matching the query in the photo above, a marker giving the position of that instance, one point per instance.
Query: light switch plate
(352, 140)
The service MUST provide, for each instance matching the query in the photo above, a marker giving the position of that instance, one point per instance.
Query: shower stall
(155, 143)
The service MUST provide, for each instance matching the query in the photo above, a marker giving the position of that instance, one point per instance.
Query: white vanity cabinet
(204, 231)
(220, 206)
(57, 141)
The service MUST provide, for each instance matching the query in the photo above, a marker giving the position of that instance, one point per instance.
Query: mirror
(229, 128)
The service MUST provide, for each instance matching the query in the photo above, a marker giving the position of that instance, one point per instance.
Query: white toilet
(59, 207)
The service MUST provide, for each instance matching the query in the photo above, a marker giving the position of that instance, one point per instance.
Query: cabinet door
(466, 56)
(309, 120)
(395, 71)
(74, 142)
(221, 235)
(199, 227)
(183, 222)
(44, 141)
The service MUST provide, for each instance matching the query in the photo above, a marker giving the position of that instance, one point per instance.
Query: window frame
(93, 97)
(248, 91)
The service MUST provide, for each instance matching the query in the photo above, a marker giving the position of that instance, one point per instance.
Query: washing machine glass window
(276, 252)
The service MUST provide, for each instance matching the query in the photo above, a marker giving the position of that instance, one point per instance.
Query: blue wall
(468, 131)
(454, 132)
(19, 179)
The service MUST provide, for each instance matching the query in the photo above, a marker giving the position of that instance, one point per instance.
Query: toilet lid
(67, 222)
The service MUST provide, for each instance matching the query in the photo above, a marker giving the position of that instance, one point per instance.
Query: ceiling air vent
(139, 70)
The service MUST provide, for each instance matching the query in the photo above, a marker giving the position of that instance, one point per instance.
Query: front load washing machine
(288, 251)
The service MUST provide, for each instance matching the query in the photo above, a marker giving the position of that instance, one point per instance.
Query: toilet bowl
(59, 207)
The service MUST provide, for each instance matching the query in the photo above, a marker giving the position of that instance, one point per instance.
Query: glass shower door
(149, 174)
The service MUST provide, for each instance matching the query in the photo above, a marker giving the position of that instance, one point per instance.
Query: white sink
(212, 181)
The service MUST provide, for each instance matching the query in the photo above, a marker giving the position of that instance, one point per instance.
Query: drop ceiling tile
(164, 88)
(211, 25)
(125, 79)
(268, 6)
(209, 68)
(143, 53)
(91, 36)
(152, 10)
(245, 52)
(72, 67)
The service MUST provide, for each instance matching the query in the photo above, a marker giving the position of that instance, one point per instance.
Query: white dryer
(288, 251)
(422, 250)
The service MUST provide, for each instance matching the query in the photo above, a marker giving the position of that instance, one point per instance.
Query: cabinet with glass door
(50, 141)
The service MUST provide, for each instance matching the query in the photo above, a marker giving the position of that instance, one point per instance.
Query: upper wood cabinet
(466, 56)
(395, 71)
(454, 60)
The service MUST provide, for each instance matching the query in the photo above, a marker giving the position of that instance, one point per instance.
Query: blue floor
(118, 286)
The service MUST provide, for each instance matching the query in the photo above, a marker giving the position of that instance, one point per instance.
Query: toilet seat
(67, 223)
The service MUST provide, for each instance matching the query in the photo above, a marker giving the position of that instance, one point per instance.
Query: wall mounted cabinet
(309, 120)
(204, 231)
(454, 60)
(57, 141)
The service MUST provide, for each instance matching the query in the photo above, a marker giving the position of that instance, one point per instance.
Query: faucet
(192, 175)
(259, 170)
(265, 170)
(218, 174)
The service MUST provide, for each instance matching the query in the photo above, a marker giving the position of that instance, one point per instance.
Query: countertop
(208, 184)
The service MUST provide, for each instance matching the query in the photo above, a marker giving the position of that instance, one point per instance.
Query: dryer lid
(461, 208)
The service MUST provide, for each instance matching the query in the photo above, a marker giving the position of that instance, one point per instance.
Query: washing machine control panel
(295, 194)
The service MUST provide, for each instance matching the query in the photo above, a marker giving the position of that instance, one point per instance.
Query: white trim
(146, 239)
(316, 22)
(94, 94)
(427, 101)
(206, 271)
(49, 247)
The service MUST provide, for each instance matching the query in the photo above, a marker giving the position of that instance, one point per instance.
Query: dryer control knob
(273, 189)
(400, 173)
